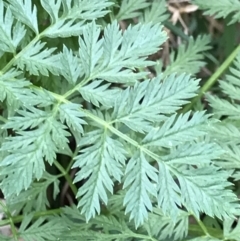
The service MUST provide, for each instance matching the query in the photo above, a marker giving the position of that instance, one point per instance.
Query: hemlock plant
(78, 103)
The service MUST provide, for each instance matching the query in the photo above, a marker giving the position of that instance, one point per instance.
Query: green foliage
(188, 58)
(130, 9)
(221, 8)
(76, 93)
(227, 132)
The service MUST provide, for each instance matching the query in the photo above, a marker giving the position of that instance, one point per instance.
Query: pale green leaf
(206, 190)
(99, 93)
(11, 33)
(224, 107)
(36, 196)
(165, 228)
(39, 60)
(221, 8)
(168, 192)
(177, 130)
(156, 12)
(147, 102)
(42, 229)
(196, 153)
(188, 58)
(29, 149)
(71, 22)
(114, 57)
(130, 9)
(26, 12)
(72, 114)
(231, 229)
(101, 162)
(139, 187)
(90, 49)
(14, 90)
(71, 67)
(52, 7)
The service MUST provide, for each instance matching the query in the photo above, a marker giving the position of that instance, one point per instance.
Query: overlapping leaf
(101, 163)
(150, 100)
(228, 131)
(114, 57)
(165, 228)
(28, 149)
(221, 8)
(176, 131)
(98, 93)
(169, 194)
(130, 9)
(169, 160)
(11, 33)
(14, 89)
(72, 68)
(188, 58)
(224, 106)
(36, 195)
(156, 12)
(139, 187)
(72, 19)
(205, 190)
(40, 229)
(26, 12)
(73, 116)
(39, 60)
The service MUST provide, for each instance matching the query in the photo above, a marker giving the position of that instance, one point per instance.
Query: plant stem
(211, 81)
(204, 229)
(71, 162)
(10, 219)
(19, 218)
(67, 177)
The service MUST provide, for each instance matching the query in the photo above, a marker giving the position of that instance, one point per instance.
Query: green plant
(76, 93)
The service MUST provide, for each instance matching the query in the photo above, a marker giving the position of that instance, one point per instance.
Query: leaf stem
(67, 177)
(200, 223)
(211, 81)
(72, 160)
(19, 218)
(10, 219)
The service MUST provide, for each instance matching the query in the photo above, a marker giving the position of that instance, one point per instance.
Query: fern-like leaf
(231, 87)
(74, 15)
(149, 100)
(168, 192)
(25, 12)
(11, 33)
(41, 230)
(221, 8)
(102, 58)
(97, 93)
(208, 200)
(188, 58)
(35, 145)
(130, 9)
(156, 13)
(137, 200)
(100, 163)
(36, 196)
(177, 130)
(72, 70)
(14, 90)
(165, 228)
(38, 60)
